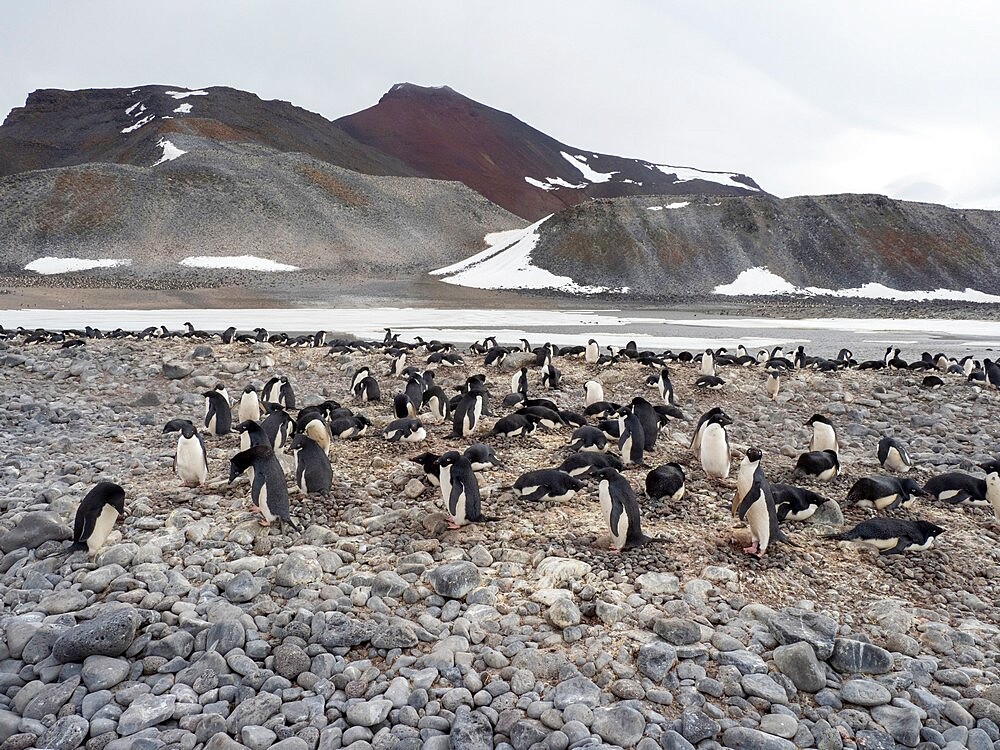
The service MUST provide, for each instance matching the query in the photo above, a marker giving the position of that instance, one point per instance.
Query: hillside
(212, 198)
(672, 248)
(443, 134)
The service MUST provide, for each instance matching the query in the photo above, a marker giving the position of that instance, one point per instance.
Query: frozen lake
(650, 329)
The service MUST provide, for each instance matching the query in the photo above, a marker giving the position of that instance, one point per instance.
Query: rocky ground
(375, 626)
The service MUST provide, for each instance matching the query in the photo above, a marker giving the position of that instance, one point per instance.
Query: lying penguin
(885, 493)
(547, 484)
(893, 535)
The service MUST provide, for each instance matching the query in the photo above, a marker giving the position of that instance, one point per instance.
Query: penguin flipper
(616, 514)
(83, 527)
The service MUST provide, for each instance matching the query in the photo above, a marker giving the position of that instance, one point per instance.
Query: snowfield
(760, 281)
(506, 264)
(170, 151)
(50, 265)
(240, 262)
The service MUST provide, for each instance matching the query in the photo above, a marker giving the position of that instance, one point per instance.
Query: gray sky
(894, 96)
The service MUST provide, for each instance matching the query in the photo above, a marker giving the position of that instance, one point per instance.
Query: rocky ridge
(377, 627)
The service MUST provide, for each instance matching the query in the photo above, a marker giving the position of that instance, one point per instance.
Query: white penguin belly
(102, 529)
(190, 461)
(881, 503)
(760, 524)
(249, 408)
(802, 515)
(884, 544)
(827, 474)
(824, 438)
(606, 505)
(679, 494)
(920, 547)
(627, 450)
(262, 504)
(715, 458)
(894, 462)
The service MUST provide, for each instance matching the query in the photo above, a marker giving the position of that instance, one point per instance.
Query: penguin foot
(452, 525)
(264, 522)
(614, 551)
(254, 509)
(752, 550)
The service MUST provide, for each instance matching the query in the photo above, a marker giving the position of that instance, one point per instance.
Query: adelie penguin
(593, 392)
(313, 473)
(885, 493)
(249, 408)
(99, 511)
(460, 491)
(581, 464)
(268, 491)
(516, 425)
(699, 428)
(632, 439)
(795, 503)
(620, 510)
(218, 415)
(893, 536)
(893, 456)
(519, 382)
(665, 483)
(588, 438)
(665, 387)
(406, 429)
(822, 466)
(429, 462)
(710, 382)
(592, 353)
(757, 506)
(715, 452)
(547, 484)
(190, 460)
(824, 437)
(468, 412)
(773, 384)
(482, 457)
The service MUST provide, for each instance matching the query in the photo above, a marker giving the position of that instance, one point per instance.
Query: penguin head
(606, 473)
(991, 468)
(243, 426)
(754, 455)
(722, 419)
(299, 442)
(677, 467)
(184, 426)
(449, 458)
(818, 418)
(250, 388)
(912, 487)
(929, 529)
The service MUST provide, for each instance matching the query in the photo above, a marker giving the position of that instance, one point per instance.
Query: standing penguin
(893, 456)
(268, 491)
(649, 420)
(286, 396)
(665, 387)
(271, 389)
(757, 507)
(249, 408)
(699, 428)
(592, 354)
(593, 392)
(715, 452)
(398, 363)
(550, 375)
(992, 469)
(632, 440)
(620, 509)
(436, 402)
(460, 490)
(190, 460)
(708, 363)
(824, 437)
(468, 412)
(313, 473)
(97, 515)
(773, 384)
(360, 374)
(218, 416)
(519, 382)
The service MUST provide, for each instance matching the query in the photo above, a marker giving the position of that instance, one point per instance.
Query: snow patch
(685, 174)
(760, 281)
(589, 174)
(679, 204)
(185, 94)
(138, 124)
(241, 262)
(184, 109)
(553, 183)
(539, 184)
(137, 104)
(50, 265)
(170, 151)
(506, 264)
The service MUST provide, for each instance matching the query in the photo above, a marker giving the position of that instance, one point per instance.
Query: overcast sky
(897, 97)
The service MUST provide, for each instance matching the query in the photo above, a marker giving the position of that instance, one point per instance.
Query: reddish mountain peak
(444, 134)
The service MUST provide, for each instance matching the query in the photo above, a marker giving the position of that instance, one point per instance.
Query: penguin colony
(608, 444)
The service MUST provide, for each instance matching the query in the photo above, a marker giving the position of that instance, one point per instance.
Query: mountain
(198, 196)
(443, 134)
(413, 131)
(687, 246)
(58, 128)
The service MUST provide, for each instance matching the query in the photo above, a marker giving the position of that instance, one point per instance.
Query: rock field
(377, 627)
